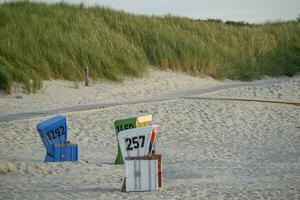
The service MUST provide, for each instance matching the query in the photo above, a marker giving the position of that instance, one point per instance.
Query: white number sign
(138, 141)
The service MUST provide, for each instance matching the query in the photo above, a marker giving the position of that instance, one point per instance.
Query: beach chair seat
(65, 152)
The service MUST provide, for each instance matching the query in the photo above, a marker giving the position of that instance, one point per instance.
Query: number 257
(134, 142)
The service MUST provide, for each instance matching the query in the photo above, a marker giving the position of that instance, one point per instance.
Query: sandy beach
(58, 94)
(211, 149)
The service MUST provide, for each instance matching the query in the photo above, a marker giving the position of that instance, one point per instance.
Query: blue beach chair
(53, 133)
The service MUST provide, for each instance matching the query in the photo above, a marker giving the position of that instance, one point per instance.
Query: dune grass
(40, 42)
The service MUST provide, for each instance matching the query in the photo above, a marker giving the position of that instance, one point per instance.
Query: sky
(253, 11)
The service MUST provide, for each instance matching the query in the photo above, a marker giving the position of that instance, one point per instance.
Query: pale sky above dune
(254, 11)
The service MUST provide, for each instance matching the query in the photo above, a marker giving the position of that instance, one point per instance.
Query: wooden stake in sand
(86, 76)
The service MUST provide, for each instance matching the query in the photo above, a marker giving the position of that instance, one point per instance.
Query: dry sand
(211, 149)
(285, 90)
(59, 94)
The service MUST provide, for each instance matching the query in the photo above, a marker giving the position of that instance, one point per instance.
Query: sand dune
(211, 149)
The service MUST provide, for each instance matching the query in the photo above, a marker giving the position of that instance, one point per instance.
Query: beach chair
(129, 123)
(53, 133)
(143, 167)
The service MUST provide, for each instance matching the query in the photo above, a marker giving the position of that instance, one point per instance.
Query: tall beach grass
(40, 42)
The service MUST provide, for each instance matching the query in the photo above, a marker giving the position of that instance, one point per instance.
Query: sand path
(178, 94)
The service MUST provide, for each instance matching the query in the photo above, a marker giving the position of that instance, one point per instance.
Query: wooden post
(86, 76)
